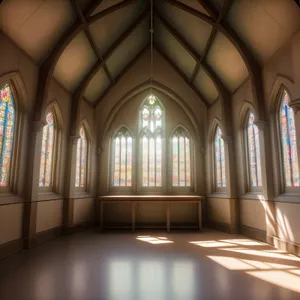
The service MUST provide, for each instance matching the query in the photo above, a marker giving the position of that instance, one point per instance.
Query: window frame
(141, 131)
(13, 177)
(181, 189)
(121, 189)
(217, 189)
(250, 188)
(53, 188)
(85, 188)
(283, 188)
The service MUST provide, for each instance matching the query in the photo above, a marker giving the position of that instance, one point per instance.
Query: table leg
(101, 215)
(133, 215)
(168, 217)
(200, 216)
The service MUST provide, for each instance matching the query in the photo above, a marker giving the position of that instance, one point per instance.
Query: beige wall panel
(206, 86)
(49, 215)
(218, 209)
(40, 25)
(147, 213)
(184, 213)
(83, 211)
(106, 30)
(288, 222)
(97, 86)
(117, 213)
(170, 46)
(252, 214)
(227, 62)
(11, 221)
(75, 62)
(190, 27)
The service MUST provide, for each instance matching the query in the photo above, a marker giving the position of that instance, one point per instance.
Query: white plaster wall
(49, 215)
(11, 220)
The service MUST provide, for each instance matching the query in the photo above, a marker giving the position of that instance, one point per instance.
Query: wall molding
(11, 247)
(254, 233)
(288, 246)
(221, 226)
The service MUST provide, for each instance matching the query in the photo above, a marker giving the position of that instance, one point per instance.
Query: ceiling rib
(252, 65)
(219, 18)
(218, 83)
(109, 10)
(84, 83)
(90, 38)
(123, 72)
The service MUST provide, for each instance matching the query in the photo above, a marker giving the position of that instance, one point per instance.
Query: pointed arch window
(81, 159)
(181, 159)
(47, 153)
(151, 141)
(288, 142)
(7, 126)
(220, 175)
(122, 158)
(253, 152)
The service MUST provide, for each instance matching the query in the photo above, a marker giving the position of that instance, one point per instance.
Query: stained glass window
(122, 158)
(46, 163)
(288, 143)
(81, 159)
(253, 152)
(181, 159)
(7, 122)
(219, 159)
(151, 120)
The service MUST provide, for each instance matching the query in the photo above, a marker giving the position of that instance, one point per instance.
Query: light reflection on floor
(256, 259)
(154, 240)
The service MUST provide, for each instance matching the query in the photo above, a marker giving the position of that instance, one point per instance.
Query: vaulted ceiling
(91, 43)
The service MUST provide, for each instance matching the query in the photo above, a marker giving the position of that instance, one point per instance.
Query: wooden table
(164, 199)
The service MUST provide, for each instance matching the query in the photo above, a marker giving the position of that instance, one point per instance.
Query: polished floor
(156, 266)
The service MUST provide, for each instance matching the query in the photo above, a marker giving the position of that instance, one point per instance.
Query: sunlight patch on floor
(154, 240)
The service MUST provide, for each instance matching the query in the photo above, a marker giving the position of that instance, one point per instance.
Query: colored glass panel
(181, 159)
(288, 143)
(253, 153)
(122, 159)
(7, 123)
(81, 159)
(151, 125)
(46, 162)
(219, 159)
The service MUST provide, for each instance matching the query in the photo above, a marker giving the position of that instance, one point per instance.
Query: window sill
(48, 197)
(82, 195)
(252, 196)
(10, 198)
(288, 197)
(217, 195)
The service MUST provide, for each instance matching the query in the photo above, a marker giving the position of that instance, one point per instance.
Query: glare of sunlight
(280, 278)
(243, 242)
(212, 244)
(264, 254)
(154, 240)
(231, 263)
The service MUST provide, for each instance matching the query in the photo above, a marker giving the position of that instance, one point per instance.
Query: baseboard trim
(42, 237)
(254, 233)
(286, 246)
(225, 227)
(77, 228)
(11, 247)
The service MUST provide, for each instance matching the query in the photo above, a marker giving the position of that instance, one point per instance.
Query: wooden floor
(183, 266)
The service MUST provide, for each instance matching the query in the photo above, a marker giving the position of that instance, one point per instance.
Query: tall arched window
(122, 158)
(151, 141)
(7, 124)
(47, 153)
(181, 159)
(220, 176)
(288, 142)
(253, 152)
(81, 159)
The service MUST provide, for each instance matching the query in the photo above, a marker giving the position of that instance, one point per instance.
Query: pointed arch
(122, 149)
(51, 144)
(181, 157)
